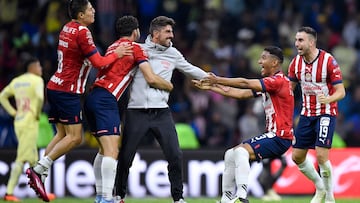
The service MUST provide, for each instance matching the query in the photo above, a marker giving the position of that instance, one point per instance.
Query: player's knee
(76, 140)
(228, 154)
(297, 159)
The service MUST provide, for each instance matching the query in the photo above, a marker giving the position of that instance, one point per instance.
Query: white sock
(108, 171)
(242, 170)
(43, 165)
(308, 169)
(228, 178)
(326, 176)
(97, 172)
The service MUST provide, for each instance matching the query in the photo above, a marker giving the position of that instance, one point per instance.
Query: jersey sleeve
(5, 94)
(139, 54)
(334, 71)
(291, 71)
(86, 42)
(271, 84)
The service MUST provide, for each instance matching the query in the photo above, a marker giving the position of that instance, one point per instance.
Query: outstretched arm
(225, 90)
(243, 83)
(154, 80)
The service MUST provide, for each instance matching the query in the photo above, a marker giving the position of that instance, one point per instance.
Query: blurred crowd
(222, 36)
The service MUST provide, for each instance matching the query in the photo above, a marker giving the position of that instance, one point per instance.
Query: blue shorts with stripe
(268, 145)
(102, 112)
(65, 107)
(314, 131)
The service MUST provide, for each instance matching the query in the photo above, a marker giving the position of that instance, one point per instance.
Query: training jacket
(163, 60)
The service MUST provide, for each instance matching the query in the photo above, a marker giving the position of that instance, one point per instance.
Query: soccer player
(28, 91)
(149, 107)
(321, 83)
(76, 54)
(101, 107)
(278, 102)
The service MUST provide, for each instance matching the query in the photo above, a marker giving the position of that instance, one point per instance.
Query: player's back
(28, 90)
(75, 45)
(117, 76)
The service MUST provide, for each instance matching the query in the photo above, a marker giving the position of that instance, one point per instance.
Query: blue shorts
(314, 131)
(65, 107)
(102, 112)
(268, 145)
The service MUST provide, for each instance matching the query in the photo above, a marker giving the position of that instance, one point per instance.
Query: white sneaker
(118, 199)
(271, 195)
(180, 201)
(318, 197)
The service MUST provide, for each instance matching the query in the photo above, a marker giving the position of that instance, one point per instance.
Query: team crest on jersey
(308, 77)
(334, 62)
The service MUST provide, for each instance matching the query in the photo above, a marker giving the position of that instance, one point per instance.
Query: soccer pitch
(300, 199)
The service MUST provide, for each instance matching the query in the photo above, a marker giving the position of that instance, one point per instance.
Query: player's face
(267, 62)
(36, 68)
(88, 16)
(303, 42)
(164, 36)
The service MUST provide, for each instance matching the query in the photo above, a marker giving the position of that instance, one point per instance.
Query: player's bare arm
(293, 85)
(336, 96)
(225, 90)
(154, 80)
(243, 83)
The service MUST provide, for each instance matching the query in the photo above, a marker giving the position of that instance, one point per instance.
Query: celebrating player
(321, 84)
(278, 102)
(76, 54)
(101, 107)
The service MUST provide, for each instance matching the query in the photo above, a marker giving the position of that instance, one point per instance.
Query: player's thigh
(268, 145)
(325, 127)
(64, 107)
(305, 134)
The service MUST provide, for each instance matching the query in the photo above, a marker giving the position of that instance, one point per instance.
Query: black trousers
(159, 122)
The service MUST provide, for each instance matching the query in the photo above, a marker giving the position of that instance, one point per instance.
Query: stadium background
(225, 37)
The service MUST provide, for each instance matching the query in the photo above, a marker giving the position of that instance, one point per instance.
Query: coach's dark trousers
(159, 122)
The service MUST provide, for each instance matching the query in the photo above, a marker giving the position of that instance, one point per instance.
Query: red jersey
(118, 75)
(316, 78)
(278, 102)
(75, 46)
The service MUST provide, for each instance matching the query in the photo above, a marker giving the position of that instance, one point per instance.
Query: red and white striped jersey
(75, 46)
(278, 102)
(117, 76)
(318, 77)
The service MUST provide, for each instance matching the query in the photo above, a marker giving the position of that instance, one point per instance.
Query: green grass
(300, 199)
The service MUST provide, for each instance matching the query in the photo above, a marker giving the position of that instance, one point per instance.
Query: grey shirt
(163, 60)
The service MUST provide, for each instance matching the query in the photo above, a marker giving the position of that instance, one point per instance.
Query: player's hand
(124, 50)
(201, 85)
(323, 99)
(209, 80)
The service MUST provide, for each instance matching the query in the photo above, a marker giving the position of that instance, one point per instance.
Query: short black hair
(126, 25)
(76, 6)
(160, 22)
(275, 51)
(28, 61)
(308, 30)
